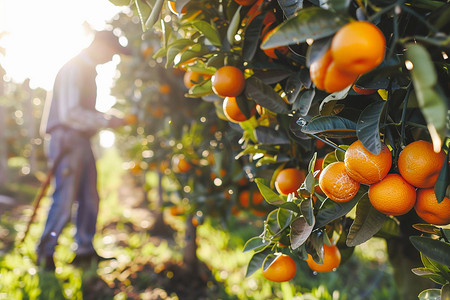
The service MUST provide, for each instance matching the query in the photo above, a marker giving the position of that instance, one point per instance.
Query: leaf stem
(385, 10)
(328, 142)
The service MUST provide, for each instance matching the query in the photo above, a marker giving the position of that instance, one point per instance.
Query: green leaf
(432, 101)
(269, 136)
(430, 294)
(289, 7)
(143, 11)
(200, 90)
(309, 23)
(307, 211)
(333, 210)
(331, 126)
(265, 96)
(255, 243)
(269, 261)
(257, 261)
(442, 182)
(234, 25)
(304, 101)
(244, 105)
(154, 15)
(269, 195)
(336, 5)
(251, 37)
(291, 206)
(317, 50)
(389, 229)
(430, 274)
(368, 127)
(208, 31)
(367, 223)
(434, 249)
(300, 231)
(427, 228)
(284, 218)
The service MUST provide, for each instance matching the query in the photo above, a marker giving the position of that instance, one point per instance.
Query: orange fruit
(358, 47)
(289, 180)
(363, 91)
(331, 259)
(164, 89)
(366, 167)
(393, 195)
(336, 184)
(180, 164)
(232, 111)
(282, 269)
(244, 198)
(177, 210)
(430, 210)
(228, 81)
(131, 119)
(192, 78)
(173, 9)
(326, 76)
(245, 2)
(419, 164)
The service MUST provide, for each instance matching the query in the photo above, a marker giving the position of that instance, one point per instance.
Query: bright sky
(44, 34)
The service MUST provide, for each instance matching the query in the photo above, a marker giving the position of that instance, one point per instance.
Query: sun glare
(42, 35)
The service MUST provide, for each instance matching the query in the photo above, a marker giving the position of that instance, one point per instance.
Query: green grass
(122, 233)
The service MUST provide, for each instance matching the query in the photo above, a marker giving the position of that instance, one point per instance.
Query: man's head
(104, 46)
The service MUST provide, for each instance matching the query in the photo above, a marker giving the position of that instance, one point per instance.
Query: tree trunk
(160, 228)
(190, 258)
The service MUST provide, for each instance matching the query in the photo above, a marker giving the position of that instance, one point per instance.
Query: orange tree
(374, 71)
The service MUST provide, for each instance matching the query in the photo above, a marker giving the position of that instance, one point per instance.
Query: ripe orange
(131, 119)
(289, 180)
(282, 269)
(245, 2)
(366, 167)
(419, 165)
(180, 164)
(393, 195)
(164, 89)
(430, 210)
(336, 184)
(232, 111)
(173, 9)
(177, 210)
(244, 198)
(326, 76)
(331, 259)
(228, 81)
(191, 78)
(358, 47)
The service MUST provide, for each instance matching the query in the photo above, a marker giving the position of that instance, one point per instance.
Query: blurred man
(72, 120)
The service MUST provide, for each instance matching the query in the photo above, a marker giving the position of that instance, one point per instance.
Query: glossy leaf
(300, 231)
(336, 5)
(154, 15)
(331, 126)
(434, 249)
(289, 7)
(333, 210)
(430, 294)
(234, 25)
(257, 261)
(304, 102)
(284, 218)
(317, 50)
(291, 206)
(269, 136)
(307, 211)
(200, 90)
(442, 182)
(269, 195)
(269, 261)
(208, 31)
(255, 243)
(367, 223)
(265, 96)
(368, 127)
(431, 100)
(309, 23)
(430, 274)
(445, 292)
(251, 37)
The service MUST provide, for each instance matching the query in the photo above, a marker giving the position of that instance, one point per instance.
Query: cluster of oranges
(356, 48)
(390, 193)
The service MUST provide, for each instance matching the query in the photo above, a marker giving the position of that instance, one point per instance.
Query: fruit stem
(327, 142)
